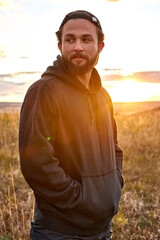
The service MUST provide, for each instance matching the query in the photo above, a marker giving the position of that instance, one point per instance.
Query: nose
(78, 46)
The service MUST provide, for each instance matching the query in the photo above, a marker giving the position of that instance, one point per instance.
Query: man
(68, 140)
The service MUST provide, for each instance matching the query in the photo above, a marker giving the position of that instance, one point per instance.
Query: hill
(120, 108)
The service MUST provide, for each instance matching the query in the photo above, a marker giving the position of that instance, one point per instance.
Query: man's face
(79, 46)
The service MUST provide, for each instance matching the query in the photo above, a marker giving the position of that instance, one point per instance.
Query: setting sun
(130, 90)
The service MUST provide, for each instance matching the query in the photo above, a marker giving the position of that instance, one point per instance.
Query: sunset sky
(132, 44)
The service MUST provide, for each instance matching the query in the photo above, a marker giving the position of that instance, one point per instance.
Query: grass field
(139, 212)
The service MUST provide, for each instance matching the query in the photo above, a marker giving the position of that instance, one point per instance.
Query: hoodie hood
(60, 71)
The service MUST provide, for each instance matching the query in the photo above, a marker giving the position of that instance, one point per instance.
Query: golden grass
(139, 213)
(16, 200)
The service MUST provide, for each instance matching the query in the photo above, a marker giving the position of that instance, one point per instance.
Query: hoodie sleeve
(39, 165)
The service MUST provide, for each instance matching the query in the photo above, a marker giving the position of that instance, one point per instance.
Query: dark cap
(81, 14)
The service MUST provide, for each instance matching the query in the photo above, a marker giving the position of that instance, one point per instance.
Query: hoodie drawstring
(90, 110)
(93, 109)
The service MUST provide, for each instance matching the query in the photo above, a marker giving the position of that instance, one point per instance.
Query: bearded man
(68, 140)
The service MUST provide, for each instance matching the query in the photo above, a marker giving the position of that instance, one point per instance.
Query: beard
(77, 69)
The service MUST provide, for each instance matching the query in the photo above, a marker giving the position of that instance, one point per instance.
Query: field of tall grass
(139, 212)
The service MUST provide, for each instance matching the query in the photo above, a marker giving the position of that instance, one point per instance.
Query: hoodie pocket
(101, 195)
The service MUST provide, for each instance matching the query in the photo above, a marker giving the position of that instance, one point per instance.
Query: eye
(86, 40)
(69, 40)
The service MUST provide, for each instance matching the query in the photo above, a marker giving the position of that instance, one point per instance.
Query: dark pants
(40, 233)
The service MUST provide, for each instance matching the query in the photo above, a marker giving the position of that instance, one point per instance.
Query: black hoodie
(69, 152)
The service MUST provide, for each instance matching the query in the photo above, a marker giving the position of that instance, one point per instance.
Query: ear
(100, 47)
(60, 47)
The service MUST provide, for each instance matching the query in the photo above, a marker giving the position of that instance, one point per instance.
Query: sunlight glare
(130, 90)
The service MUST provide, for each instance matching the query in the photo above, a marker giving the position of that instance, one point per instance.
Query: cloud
(135, 1)
(149, 77)
(10, 75)
(12, 91)
(21, 73)
(11, 87)
(4, 5)
(24, 57)
(2, 54)
(8, 5)
(10, 83)
(112, 0)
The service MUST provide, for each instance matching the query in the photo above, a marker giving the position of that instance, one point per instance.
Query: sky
(28, 44)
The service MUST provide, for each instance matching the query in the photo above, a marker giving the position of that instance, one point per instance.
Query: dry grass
(16, 201)
(139, 214)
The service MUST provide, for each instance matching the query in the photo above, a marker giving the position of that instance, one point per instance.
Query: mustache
(78, 55)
